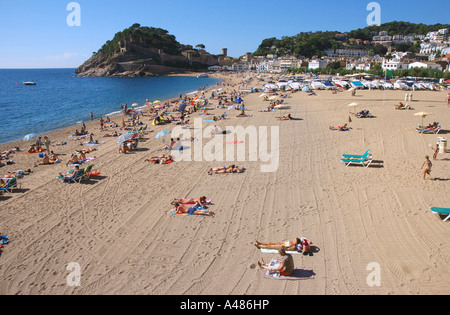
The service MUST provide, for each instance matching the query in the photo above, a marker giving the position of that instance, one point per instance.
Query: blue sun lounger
(353, 156)
(364, 160)
(442, 211)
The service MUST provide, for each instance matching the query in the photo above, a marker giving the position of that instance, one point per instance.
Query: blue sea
(61, 99)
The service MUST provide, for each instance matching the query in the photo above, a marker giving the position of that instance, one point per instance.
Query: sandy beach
(119, 227)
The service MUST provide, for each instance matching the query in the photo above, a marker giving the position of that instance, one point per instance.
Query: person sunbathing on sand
(72, 174)
(73, 159)
(50, 159)
(190, 201)
(290, 246)
(288, 117)
(340, 128)
(181, 209)
(160, 159)
(226, 169)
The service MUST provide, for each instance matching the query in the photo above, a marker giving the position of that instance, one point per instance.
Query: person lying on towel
(190, 201)
(226, 170)
(192, 210)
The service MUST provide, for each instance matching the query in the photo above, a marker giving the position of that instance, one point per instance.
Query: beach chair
(442, 211)
(430, 131)
(11, 184)
(353, 156)
(365, 161)
(86, 175)
(77, 177)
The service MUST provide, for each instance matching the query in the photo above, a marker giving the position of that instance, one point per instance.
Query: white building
(238, 67)
(318, 64)
(215, 68)
(394, 64)
(426, 65)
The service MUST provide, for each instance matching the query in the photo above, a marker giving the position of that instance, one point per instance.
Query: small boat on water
(29, 83)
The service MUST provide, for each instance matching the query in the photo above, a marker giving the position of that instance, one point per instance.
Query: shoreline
(14, 143)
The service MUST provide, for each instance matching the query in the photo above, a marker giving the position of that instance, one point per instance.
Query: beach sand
(119, 228)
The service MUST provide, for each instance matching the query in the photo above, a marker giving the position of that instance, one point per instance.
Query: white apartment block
(394, 64)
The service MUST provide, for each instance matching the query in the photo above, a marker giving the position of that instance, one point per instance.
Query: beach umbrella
(127, 137)
(29, 136)
(273, 98)
(156, 102)
(163, 133)
(182, 107)
(353, 104)
(423, 115)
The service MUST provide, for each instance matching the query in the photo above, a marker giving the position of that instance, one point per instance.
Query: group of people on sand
(6, 156)
(286, 265)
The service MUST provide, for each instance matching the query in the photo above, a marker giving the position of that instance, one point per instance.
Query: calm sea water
(60, 99)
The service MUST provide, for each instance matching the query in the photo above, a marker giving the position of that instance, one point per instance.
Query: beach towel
(209, 120)
(175, 149)
(41, 150)
(90, 144)
(298, 274)
(275, 251)
(186, 214)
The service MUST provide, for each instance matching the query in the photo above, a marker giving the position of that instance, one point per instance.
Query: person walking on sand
(436, 151)
(101, 123)
(428, 167)
(448, 99)
(47, 144)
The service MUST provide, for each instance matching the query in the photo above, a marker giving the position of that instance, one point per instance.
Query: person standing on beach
(101, 123)
(92, 116)
(428, 165)
(47, 144)
(436, 151)
(448, 99)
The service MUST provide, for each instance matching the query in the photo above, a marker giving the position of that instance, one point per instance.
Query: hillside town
(434, 54)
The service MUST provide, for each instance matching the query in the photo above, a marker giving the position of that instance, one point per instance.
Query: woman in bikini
(289, 246)
(226, 170)
(428, 165)
(190, 201)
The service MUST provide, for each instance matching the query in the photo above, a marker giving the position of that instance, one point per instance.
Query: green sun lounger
(366, 161)
(442, 211)
(353, 156)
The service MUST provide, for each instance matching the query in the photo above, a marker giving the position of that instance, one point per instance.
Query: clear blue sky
(35, 33)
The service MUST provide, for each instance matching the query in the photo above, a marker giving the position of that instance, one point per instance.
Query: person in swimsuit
(287, 245)
(428, 165)
(286, 267)
(181, 209)
(190, 201)
(436, 151)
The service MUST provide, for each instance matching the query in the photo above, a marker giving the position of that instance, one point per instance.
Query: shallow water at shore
(60, 99)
